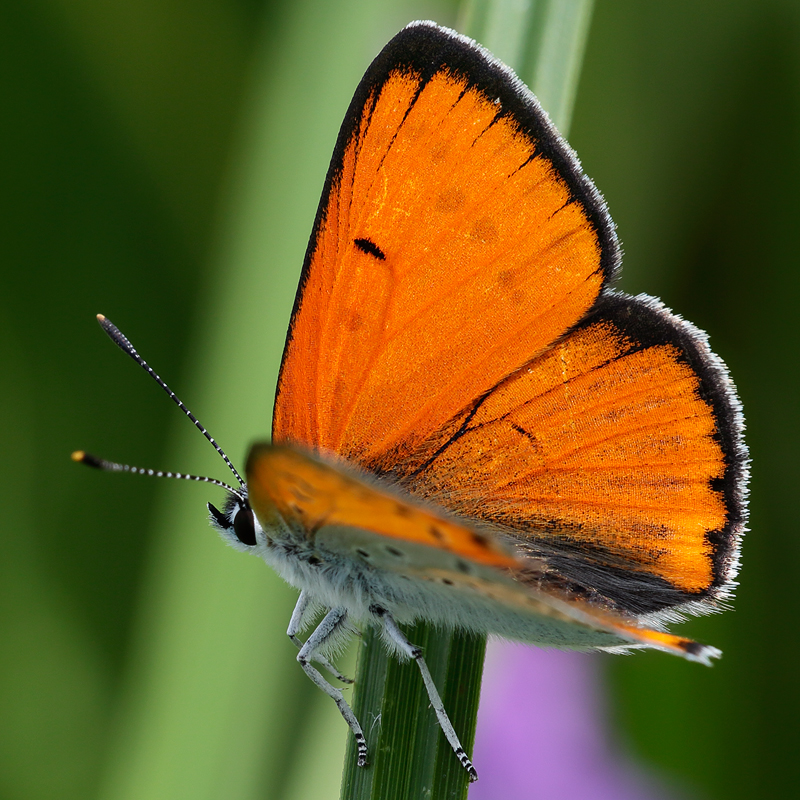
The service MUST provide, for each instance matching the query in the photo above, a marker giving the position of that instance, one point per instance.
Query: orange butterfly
(471, 427)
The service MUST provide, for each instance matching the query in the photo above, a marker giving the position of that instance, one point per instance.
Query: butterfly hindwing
(617, 455)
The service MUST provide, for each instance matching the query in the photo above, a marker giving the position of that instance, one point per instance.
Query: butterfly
(471, 426)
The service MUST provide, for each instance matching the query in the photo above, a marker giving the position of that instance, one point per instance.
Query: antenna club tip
(105, 322)
(83, 457)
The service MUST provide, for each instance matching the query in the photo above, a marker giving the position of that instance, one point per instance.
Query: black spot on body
(370, 248)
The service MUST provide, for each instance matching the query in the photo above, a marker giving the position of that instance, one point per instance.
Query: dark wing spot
(690, 647)
(436, 533)
(449, 200)
(362, 553)
(439, 152)
(522, 432)
(355, 322)
(463, 567)
(370, 248)
(392, 551)
(506, 279)
(484, 231)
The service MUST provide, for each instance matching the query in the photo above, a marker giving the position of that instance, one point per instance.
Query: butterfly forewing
(315, 495)
(456, 239)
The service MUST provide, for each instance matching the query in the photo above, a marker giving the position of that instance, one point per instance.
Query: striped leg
(396, 635)
(297, 623)
(330, 624)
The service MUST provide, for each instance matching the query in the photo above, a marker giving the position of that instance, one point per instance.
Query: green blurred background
(161, 164)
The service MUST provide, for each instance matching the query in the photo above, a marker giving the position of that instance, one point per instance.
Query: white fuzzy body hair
(358, 571)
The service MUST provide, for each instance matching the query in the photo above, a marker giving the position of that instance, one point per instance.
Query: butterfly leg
(396, 635)
(329, 627)
(297, 623)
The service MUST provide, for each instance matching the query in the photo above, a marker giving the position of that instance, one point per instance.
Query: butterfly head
(237, 523)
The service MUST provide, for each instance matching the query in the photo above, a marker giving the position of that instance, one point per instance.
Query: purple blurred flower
(543, 732)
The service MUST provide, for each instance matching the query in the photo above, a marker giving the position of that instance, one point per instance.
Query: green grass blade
(542, 40)
(555, 73)
(409, 757)
(401, 728)
(505, 27)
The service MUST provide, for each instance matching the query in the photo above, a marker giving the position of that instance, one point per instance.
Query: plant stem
(409, 757)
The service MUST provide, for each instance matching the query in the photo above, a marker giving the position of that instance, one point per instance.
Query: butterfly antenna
(122, 342)
(112, 466)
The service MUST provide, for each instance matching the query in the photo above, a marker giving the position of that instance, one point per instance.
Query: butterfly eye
(244, 527)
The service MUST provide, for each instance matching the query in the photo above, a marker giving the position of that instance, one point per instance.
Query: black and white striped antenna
(82, 457)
